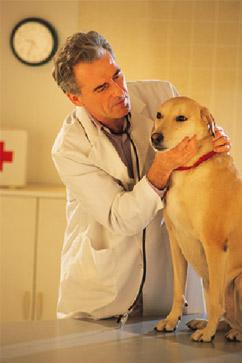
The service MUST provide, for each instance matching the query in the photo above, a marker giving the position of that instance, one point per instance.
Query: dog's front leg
(216, 257)
(170, 323)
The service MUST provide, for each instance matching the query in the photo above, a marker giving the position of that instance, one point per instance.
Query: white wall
(30, 99)
(197, 45)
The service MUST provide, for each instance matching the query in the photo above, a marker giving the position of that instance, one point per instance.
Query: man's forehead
(97, 72)
(99, 67)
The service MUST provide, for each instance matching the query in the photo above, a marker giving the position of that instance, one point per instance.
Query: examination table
(84, 341)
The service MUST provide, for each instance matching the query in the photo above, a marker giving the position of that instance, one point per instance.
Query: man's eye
(101, 89)
(158, 115)
(181, 118)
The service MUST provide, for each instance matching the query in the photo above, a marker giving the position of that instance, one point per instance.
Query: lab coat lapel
(103, 153)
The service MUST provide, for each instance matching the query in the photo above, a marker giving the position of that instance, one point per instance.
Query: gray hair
(80, 47)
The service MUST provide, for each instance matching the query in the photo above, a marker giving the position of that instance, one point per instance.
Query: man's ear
(75, 99)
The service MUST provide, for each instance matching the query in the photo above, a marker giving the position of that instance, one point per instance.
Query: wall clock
(34, 41)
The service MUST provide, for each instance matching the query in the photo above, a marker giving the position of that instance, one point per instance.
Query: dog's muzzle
(156, 140)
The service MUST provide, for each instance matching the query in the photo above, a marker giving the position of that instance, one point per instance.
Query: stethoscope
(124, 317)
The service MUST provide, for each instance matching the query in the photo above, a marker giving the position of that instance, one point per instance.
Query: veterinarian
(115, 185)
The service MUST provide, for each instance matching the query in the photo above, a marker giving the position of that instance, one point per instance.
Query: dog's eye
(158, 115)
(181, 118)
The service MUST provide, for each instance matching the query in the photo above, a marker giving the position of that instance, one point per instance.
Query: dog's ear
(208, 118)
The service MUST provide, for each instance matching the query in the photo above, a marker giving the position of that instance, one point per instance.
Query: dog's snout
(156, 138)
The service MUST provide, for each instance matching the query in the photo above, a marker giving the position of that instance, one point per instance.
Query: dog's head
(177, 118)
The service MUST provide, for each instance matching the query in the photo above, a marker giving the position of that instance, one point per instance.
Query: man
(115, 185)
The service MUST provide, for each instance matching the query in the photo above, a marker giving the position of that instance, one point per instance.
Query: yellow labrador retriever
(203, 215)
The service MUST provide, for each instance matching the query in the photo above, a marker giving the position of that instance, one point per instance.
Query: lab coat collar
(137, 105)
(103, 153)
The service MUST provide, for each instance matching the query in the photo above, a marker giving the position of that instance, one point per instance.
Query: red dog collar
(198, 162)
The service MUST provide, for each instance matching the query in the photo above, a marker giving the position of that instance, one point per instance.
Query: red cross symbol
(5, 156)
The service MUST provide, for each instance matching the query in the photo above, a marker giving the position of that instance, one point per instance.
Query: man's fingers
(192, 144)
(221, 142)
(222, 148)
(219, 134)
(186, 142)
(222, 137)
(184, 151)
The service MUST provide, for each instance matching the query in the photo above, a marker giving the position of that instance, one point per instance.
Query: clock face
(34, 41)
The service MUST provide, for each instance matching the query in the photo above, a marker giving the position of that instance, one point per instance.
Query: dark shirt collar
(100, 126)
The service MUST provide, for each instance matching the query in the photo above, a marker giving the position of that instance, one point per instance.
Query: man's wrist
(161, 192)
(158, 179)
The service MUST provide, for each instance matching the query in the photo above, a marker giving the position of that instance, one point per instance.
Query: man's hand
(165, 162)
(221, 142)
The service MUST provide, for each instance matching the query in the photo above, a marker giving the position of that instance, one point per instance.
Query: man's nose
(118, 90)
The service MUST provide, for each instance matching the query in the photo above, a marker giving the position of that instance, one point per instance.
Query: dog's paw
(166, 325)
(197, 324)
(203, 335)
(234, 335)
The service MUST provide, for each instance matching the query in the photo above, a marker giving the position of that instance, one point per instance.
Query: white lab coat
(102, 264)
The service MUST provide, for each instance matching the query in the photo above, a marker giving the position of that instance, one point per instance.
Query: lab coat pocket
(104, 263)
(90, 277)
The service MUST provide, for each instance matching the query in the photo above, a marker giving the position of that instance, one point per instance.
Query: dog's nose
(156, 138)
